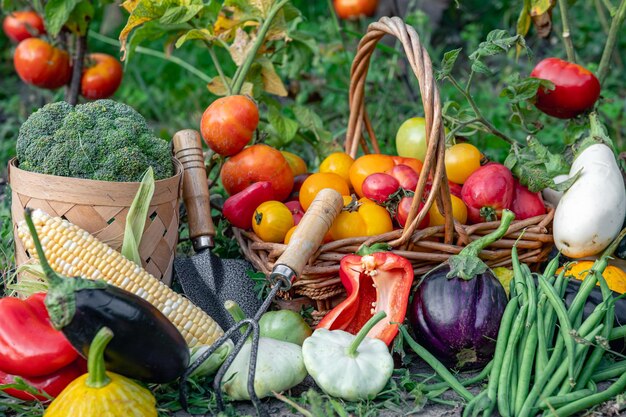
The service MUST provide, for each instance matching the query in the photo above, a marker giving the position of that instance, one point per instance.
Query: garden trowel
(207, 280)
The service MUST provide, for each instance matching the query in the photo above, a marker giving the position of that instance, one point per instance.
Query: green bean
(518, 277)
(436, 393)
(559, 400)
(532, 295)
(550, 317)
(589, 401)
(437, 366)
(507, 364)
(542, 348)
(617, 333)
(551, 268)
(501, 344)
(525, 370)
(465, 382)
(471, 406)
(609, 372)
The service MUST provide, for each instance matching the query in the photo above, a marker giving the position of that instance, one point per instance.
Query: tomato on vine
(101, 77)
(271, 221)
(353, 9)
(24, 24)
(228, 124)
(461, 160)
(40, 64)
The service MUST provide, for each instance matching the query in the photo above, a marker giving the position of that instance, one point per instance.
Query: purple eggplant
(457, 307)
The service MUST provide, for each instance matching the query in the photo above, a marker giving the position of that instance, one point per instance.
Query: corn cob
(72, 251)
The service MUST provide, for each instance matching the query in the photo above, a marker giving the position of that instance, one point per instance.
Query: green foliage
(101, 140)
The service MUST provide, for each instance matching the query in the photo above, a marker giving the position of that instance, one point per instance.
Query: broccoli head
(103, 140)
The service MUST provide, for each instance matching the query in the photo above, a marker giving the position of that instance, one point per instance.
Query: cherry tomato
(338, 163)
(411, 138)
(367, 165)
(360, 218)
(576, 89)
(461, 160)
(459, 212)
(415, 164)
(271, 221)
(297, 212)
(289, 234)
(257, 163)
(379, 187)
(20, 25)
(228, 124)
(406, 176)
(353, 9)
(101, 77)
(40, 64)
(404, 207)
(526, 204)
(317, 182)
(487, 192)
(455, 189)
(297, 164)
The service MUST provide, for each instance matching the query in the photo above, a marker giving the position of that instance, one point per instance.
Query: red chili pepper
(29, 345)
(576, 89)
(51, 384)
(376, 282)
(239, 208)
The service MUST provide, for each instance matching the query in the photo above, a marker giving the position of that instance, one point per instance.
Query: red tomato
(416, 164)
(487, 192)
(296, 211)
(379, 187)
(576, 89)
(40, 64)
(352, 9)
(101, 77)
(455, 189)
(257, 163)
(406, 176)
(403, 212)
(228, 124)
(526, 204)
(366, 165)
(22, 25)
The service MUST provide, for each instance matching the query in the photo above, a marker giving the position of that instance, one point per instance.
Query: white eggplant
(591, 212)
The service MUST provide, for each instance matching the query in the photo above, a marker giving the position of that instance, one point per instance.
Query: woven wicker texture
(425, 248)
(100, 207)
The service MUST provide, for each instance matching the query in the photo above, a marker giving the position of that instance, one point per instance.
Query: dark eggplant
(457, 307)
(146, 346)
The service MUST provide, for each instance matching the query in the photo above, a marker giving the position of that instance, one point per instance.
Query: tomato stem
(71, 94)
(609, 47)
(567, 38)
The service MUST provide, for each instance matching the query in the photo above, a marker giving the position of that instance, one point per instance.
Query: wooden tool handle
(188, 149)
(311, 230)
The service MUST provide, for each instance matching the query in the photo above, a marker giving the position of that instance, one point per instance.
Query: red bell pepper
(51, 384)
(239, 208)
(29, 345)
(375, 282)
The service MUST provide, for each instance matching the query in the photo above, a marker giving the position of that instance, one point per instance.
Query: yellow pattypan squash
(615, 277)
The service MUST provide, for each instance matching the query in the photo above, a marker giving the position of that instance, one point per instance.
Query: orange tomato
(367, 165)
(416, 164)
(338, 163)
(360, 218)
(317, 182)
(289, 234)
(297, 164)
(271, 221)
(459, 212)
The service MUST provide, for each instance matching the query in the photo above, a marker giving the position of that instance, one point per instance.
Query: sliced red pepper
(51, 384)
(377, 282)
(29, 345)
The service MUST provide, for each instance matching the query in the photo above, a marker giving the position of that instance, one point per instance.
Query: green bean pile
(547, 356)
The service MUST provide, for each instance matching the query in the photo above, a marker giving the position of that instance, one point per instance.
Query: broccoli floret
(103, 140)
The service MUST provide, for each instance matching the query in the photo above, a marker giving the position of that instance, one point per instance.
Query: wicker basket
(100, 207)
(320, 284)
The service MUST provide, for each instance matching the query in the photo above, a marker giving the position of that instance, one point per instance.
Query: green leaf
(202, 34)
(285, 127)
(525, 89)
(56, 13)
(136, 218)
(535, 166)
(80, 17)
(271, 80)
(447, 63)
(180, 14)
(478, 66)
(309, 120)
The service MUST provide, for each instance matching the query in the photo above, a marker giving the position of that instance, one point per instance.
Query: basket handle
(420, 63)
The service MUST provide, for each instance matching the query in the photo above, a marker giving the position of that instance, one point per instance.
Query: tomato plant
(271, 221)
(365, 166)
(379, 186)
(257, 163)
(352, 9)
(360, 218)
(338, 163)
(297, 164)
(40, 64)
(461, 160)
(101, 77)
(406, 176)
(23, 24)
(228, 124)
(317, 182)
(487, 192)
(459, 212)
(404, 207)
(576, 89)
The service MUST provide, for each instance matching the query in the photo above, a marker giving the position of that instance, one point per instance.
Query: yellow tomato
(271, 221)
(461, 161)
(296, 164)
(459, 212)
(289, 234)
(360, 218)
(338, 163)
(317, 182)
(367, 165)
